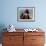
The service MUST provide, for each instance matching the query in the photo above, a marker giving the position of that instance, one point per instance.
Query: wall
(9, 13)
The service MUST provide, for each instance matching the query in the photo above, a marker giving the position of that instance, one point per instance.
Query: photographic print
(26, 14)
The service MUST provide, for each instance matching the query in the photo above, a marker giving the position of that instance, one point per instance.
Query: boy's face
(25, 14)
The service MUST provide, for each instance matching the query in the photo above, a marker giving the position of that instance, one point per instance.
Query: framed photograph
(26, 14)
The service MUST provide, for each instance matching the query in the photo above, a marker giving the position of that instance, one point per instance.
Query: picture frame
(26, 14)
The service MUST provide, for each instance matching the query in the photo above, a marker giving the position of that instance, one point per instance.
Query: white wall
(9, 13)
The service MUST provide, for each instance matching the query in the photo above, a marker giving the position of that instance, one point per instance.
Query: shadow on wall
(2, 26)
